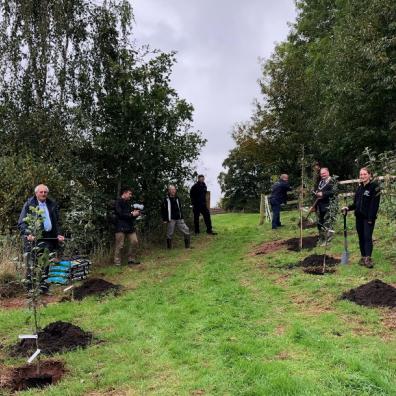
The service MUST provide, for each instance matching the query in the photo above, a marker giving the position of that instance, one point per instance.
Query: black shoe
(211, 232)
(169, 243)
(133, 262)
(187, 243)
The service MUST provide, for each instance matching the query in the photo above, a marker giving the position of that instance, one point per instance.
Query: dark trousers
(33, 256)
(365, 233)
(206, 216)
(322, 217)
(275, 215)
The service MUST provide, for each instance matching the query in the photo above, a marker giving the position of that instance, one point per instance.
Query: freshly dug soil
(372, 294)
(95, 286)
(316, 260)
(269, 247)
(27, 376)
(54, 338)
(293, 244)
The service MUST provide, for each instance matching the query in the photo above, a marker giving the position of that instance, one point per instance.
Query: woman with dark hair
(365, 205)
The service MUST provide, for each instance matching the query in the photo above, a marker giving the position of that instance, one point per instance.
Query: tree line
(330, 86)
(85, 111)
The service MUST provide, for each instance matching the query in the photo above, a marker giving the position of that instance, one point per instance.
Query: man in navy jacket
(278, 197)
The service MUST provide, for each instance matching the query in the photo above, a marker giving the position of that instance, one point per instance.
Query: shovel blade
(345, 257)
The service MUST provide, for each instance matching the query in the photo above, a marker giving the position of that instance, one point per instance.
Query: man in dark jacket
(50, 234)
(172, 215)
(198, 200)
(125, 227)
(278, 197)
(324, 194)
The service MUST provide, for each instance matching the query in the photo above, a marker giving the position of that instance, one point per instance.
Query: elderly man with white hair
(172, 214)
(50, 233)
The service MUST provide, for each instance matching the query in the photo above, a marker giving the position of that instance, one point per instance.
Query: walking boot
(368, 262)
(169, 243)
(362, 260)
(187, 242)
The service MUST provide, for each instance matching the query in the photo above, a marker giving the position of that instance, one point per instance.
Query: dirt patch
(269, 247)
(54, 338)
(28, 376)
(314, 264)
(10, 286)
(307, 224)
(293, 244)
(95, 286)
(22, 302)
(372, 294)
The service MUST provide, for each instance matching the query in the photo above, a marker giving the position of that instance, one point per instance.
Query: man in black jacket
(278, 197)
(324, 194)
(198, 200)
(125, 227)
(172, 215)
(50, 231)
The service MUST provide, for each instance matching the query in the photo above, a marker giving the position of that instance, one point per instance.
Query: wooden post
(262, 209)
(268, 213)
(207, 199)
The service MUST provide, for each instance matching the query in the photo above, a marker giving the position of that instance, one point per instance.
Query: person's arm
(374, 204)
(22, 226)
(193, 194)
(164, 211)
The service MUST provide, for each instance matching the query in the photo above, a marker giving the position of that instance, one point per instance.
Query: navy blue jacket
(328, 193)
(53, 210)
(125, 222)
(198, 194)
(279, 192)
(366, 201)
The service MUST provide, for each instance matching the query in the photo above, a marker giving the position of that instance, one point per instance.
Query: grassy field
(217, 320)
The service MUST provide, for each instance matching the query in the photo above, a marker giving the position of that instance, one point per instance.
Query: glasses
(43, 192)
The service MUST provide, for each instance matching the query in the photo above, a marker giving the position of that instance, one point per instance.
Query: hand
(30, 238)
(311, 209)
(61, 238)
(344, 210)
(135, 213)
(370, 222)
(319, 194)
(165, 222)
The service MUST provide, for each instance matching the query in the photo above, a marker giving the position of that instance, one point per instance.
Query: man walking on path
(278, 197)
(50, 233)
(125, 227)
(172, 215)
(198, 200)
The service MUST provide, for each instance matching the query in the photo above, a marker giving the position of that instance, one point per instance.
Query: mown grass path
(217, 321)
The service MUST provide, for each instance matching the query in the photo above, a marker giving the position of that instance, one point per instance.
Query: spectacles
(43, 192)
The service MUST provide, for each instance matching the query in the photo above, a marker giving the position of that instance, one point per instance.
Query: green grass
(218, 321)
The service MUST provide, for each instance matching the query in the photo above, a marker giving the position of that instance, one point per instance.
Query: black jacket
(279, 192)
(366, 201)
(198, 194)
(171, 209)
(124, 221)
(53, 210)
(328, 193)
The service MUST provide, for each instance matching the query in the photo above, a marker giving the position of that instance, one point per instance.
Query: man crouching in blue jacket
(278, 197)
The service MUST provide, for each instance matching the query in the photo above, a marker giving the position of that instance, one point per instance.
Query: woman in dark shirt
(365, 205)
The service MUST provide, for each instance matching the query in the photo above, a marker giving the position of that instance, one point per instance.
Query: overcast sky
(218, 44)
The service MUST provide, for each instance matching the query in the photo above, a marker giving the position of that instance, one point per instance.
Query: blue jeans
(275, 215)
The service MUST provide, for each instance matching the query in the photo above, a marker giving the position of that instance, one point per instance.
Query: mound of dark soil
(293, 244)
(95, 286)
(54, 338)
(27, 376)
(372, 294)
(316, 260)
